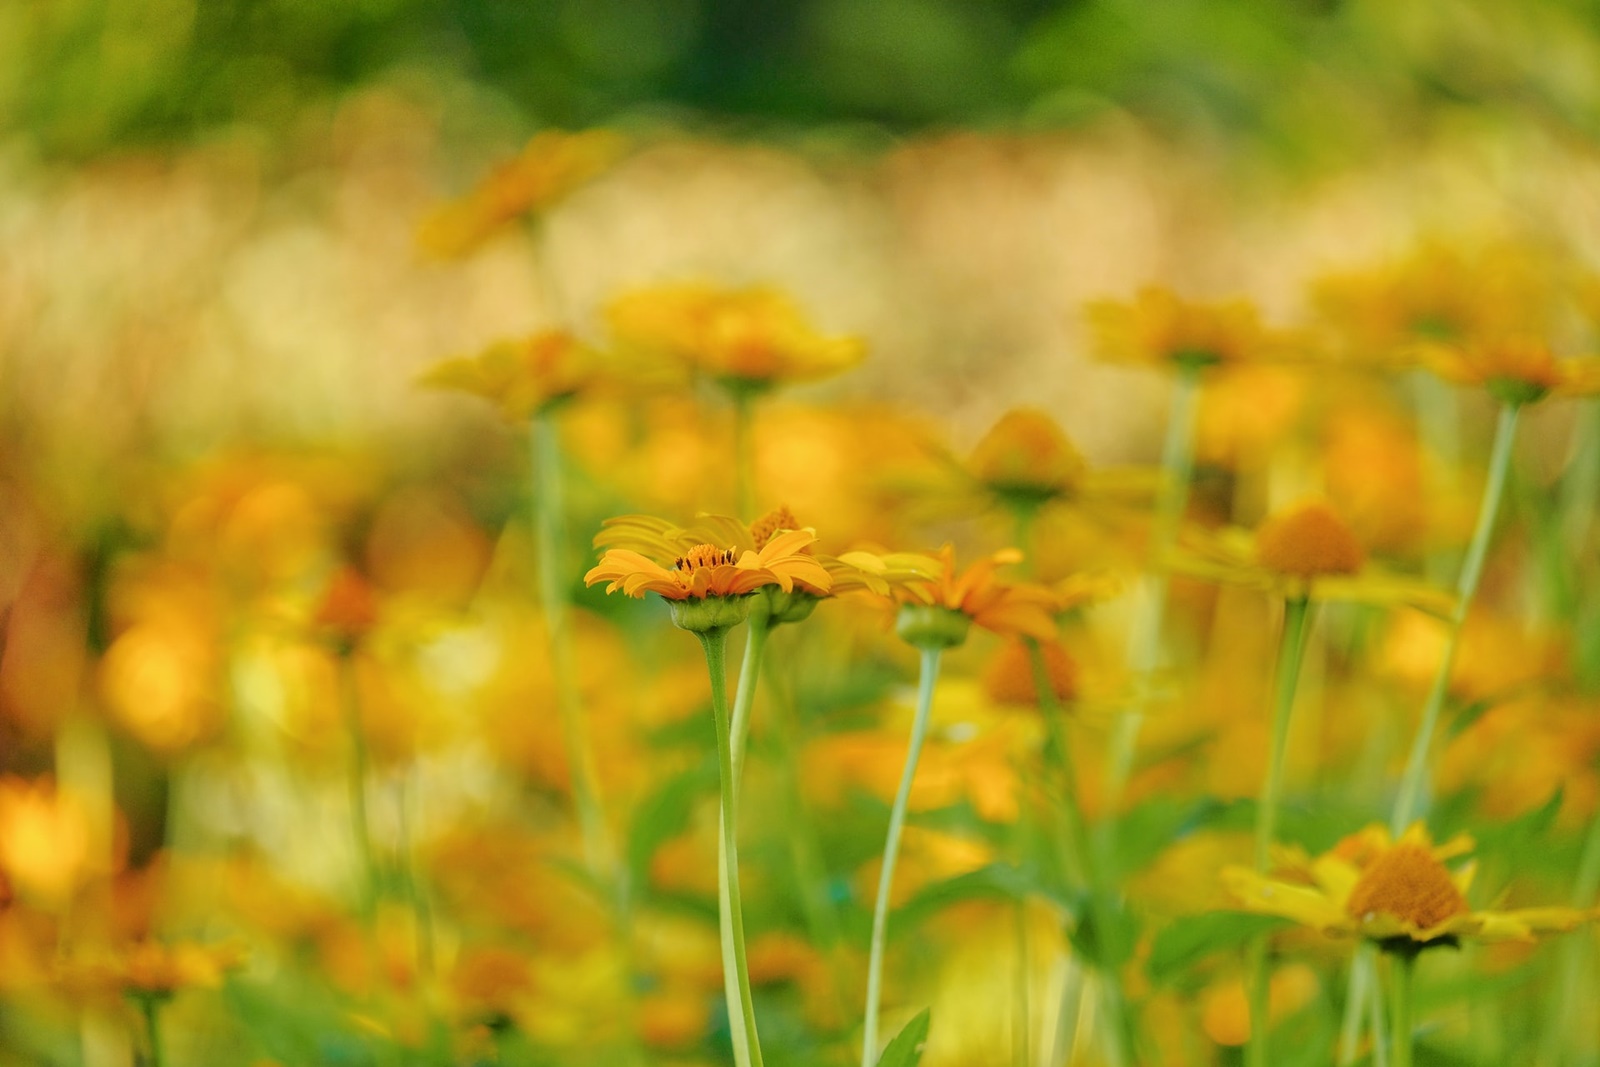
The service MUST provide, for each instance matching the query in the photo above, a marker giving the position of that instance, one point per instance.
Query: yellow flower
(1306, 552)
(156, 968)
(526, 376)
(549, 167)
(1025, 461)
(1516, 368)
(1008, 678)
(748, 339)
(1158, 328)
(46, 840)
(1399, 893)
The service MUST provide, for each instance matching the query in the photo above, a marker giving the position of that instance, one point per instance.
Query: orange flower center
(1308, 541)
(763, 529)
(703, 556)
(1408, 883)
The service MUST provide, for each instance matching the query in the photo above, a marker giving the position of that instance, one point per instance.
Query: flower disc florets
(1408, 883)
(1308, 542)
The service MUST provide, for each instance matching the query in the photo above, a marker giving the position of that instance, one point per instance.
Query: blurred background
(214, 309)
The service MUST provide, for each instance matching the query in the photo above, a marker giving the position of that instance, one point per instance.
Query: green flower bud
(703, 614)
(931, 626)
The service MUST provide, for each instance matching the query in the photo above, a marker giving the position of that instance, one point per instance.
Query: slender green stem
(756, 631)
(1291, 652)
(549, 524)
(744, 459)
(1355, 1004)
(150, 1008)
(1380, 1047)
(1401, 970)
(1144, 636)
(741, 1004)
(360, 824)
(1408, 799)
(1439, 424)
(891, 853)
(1565, 1005)
(1075, 835)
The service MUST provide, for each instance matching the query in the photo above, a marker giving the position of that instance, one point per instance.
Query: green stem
(756, 631)
(1402, 966)
(741, 1004)
(549, 516)
(150, 1008)
(1439, 424)
(1291, 652)
(1407, 802)
(891, 853)
(360, 823)
(1565, 1005)
(743, 455)
(1144, 636)
(1355, 1004)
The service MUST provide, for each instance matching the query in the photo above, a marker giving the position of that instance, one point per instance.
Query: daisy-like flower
(1307, 552)
(938, 612)
(1516, 368)
(747, 339)
(549, 167)
(1159, 328)
(708, 586)
(1399, 893)
(1026, 461)
(851, 572)
(525, 376)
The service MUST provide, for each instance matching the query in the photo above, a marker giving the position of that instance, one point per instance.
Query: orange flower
(1159, 328)
(746, 338)
(551, 165)
(1516, 368)
(851, 572)
(525, 376)
(708, 587)
(975, 595)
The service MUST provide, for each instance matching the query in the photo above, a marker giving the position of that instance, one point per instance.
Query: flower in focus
(1305, 552)
(1515, 368)
(526, 376)
(549, 167)
(747, 339)
(1158, 328)
(1398, 893)
(939, 610)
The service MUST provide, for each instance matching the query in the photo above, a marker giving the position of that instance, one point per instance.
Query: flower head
(745, 338)
(1305, 552)
(940, 609)
(1026, 455)
(525, 376)
(1161, 329)
(1516, 368)
(1399, 893)
(549, 167)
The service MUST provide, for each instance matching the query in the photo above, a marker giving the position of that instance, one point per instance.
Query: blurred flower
(1399, 893)
(156, 968)
(1008, 679)
(1225, 1008)
(348, 608)
(1307, 551)
(1158, 328)
(940, 609)
(1385, 317)
(748, 339)
(525, 376)
(549, 167)
(1516, 368)
(45, 838)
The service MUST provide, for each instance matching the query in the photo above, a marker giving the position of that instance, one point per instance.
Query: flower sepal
(795, 605)
(931, 626)
(704, 614)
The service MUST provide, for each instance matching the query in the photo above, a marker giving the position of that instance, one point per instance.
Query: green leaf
(1106, 932)
(906, 1048)
(1192, 938)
